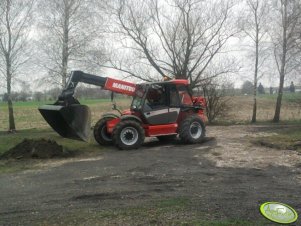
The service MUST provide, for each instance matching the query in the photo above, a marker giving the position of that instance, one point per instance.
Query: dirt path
(225, 178)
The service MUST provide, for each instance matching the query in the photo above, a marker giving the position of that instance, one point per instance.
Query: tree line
(52, 94)
(187, 39)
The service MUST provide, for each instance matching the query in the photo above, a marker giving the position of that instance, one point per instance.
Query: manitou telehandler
(160, 109)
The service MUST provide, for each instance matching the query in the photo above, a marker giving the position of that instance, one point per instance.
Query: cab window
(155, 97)
(185, 98)
(174, 97)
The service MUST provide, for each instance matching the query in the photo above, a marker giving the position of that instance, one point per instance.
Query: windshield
(137, 102)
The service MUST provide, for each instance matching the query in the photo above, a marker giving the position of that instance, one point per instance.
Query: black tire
(100, 132)
(167, 138)
(192, 130)
(128, 134)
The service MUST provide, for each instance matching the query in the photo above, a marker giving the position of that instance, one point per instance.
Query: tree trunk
(8, 61)
(254, 108)
(12, 126)
(255, 75)
(65, 50)
(279, 99)
(283, 63)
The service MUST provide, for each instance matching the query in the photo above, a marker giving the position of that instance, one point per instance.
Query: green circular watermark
(278, 212)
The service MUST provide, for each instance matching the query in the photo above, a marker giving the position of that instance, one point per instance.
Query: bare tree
(15, 18)
(175, 38)
(254, 27)
(217, 103)
(285, 43)
(67, 30)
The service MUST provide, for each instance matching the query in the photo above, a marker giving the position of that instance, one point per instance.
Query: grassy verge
(288, 138)
(172, 211)
(259, 122)
(9, 140)
(287, 97)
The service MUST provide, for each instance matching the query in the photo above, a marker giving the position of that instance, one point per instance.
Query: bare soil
(38, 149)
(224, 178)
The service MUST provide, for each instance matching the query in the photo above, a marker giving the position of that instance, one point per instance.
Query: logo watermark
(278, 212)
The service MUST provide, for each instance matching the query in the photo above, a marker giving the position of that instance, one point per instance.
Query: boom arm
(71, 119)
(107, 83)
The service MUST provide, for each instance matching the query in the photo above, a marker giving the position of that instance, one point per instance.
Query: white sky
(270, 77)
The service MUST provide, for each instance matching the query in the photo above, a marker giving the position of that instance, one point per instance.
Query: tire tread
(117, 130)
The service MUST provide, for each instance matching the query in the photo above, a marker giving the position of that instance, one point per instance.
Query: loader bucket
(71, 122)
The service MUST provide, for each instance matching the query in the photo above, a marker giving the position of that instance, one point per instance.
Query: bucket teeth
(73, 121)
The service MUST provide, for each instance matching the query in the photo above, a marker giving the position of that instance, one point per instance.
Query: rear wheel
(167, 138)
(192, 130)
(100, 132)
(128, 134)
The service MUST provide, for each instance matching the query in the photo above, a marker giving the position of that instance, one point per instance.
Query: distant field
(241, 108)
(27, 115)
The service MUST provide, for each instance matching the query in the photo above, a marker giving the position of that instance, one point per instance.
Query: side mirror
(114, 107)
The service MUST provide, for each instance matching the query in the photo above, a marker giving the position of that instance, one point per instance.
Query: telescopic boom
(71, 119)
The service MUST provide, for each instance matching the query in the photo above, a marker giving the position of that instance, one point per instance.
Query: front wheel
(128, 134)
(100, 132)
(192, 130)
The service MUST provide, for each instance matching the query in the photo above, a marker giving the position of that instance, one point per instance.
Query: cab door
(174, 103)
(156, 109)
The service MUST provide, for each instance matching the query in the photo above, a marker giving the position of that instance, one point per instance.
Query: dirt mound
(41, 149)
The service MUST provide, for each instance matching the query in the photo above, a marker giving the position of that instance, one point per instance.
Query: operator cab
(160, 103)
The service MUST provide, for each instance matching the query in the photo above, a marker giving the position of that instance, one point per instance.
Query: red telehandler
(160, 109)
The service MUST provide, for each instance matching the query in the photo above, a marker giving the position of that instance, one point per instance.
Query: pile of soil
(41, 149)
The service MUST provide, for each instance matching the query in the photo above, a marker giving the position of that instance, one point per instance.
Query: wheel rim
(195, 130)
(129, 135)
(105, 134)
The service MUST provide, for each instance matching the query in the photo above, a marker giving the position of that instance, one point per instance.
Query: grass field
(27, 115)
(285, 139)
(240, 110)
(30, 123)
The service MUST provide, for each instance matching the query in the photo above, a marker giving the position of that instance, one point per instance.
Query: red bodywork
(164, 129)
(154, 130)
(120, 86)
(150, 130)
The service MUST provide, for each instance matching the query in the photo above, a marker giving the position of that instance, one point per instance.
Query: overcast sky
(239, 50)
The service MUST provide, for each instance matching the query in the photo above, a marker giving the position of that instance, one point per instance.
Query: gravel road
(225, 178)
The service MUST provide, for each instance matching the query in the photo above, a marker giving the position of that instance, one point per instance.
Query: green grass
(288, 138)
(9, 140)
(296, 122)
(39, 103)
(170, 211)
(27, 115)
(13, 166)
(173, 202)
(287, 97)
